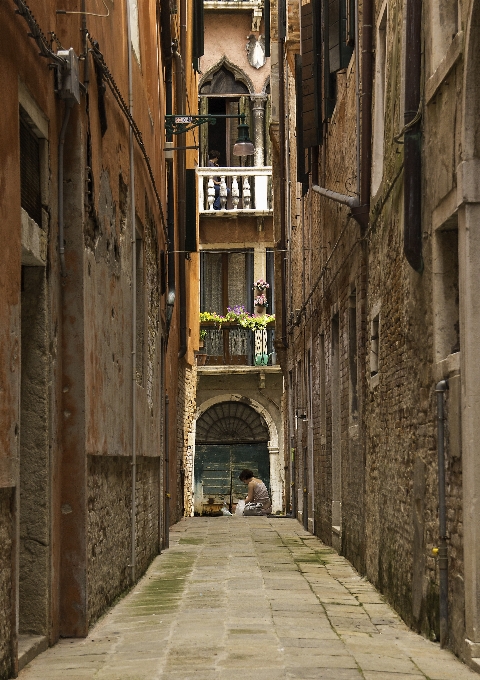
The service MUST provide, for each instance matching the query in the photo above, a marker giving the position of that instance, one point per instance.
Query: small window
(379, 110)
(30, 171)
(374, 345)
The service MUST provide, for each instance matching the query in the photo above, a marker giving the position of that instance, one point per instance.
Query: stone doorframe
(468, 205)
(276, 464)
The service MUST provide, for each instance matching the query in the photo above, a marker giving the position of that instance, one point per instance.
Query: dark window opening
(30, 181)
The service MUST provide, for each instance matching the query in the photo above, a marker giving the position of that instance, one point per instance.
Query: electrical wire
(36, 33)
(88, 14)
(100, 61)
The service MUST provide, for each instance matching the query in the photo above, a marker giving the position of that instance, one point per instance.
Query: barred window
(31, 195)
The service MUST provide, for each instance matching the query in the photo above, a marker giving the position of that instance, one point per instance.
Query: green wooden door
(217, 467)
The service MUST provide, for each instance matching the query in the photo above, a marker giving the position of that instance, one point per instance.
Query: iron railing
(233, 345)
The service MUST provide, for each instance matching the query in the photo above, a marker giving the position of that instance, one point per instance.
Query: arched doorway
(230, 436)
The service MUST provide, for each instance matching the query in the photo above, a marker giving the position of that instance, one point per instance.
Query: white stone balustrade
(248, 189)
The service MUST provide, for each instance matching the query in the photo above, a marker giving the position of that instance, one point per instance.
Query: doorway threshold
(30, 646)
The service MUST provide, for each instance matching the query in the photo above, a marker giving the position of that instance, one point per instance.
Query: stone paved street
(253, 599)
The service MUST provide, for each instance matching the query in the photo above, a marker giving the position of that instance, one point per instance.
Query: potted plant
(260, 303)
(261, 285)
(203, 335)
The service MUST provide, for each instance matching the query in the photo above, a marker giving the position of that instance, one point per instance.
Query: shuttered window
(198, 34)
(191, 212)
(340, 42)
(31, 195)
(311, 73)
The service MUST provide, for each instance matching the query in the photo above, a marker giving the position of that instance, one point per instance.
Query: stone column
(259, 128)
(261, 182)
(469, 262)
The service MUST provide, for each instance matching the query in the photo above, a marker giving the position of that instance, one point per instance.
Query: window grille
(31, 195)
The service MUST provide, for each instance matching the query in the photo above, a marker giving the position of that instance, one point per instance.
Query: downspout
(170, 205)
(133, 556)
(281, 28)
(180, 101)
(166, 540)
(412, 197)
(61, 222)
(440, 389)
(361, 214)
(360, 204)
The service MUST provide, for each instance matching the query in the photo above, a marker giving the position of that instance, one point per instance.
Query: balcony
(242, 191)
(233, 345)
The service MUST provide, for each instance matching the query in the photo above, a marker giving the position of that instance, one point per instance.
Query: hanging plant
(261, 285)
(261, 300)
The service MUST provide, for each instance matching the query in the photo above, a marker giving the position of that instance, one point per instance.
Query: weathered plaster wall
(226, 35)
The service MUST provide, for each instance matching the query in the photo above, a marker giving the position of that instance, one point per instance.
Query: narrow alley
(250, 598)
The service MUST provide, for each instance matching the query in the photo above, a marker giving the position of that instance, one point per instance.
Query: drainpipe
(351, 201)
(412, 206)
(86, 66)
(170, 206)
(440, 389)
(180, 101)
(166, 539)
(281, 28)
(360, 204)
(61, 223)
(361, 213)
(133, 557)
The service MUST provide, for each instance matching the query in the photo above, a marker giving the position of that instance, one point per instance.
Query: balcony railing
(232, 345)
(241, 189)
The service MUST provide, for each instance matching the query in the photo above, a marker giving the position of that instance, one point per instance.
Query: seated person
(257, 501)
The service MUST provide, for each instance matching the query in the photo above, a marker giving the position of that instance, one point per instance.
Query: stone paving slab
(251, 598)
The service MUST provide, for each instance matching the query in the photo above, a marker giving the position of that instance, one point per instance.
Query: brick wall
(387, 447)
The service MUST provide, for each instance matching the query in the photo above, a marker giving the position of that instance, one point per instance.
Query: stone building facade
(90, 350)
(238, 398)
(376, 179)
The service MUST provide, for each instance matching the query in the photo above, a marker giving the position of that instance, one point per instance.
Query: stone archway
(238, 76)
(272, 444)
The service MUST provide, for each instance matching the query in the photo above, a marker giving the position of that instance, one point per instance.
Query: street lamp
(243, 145)
(178, 125)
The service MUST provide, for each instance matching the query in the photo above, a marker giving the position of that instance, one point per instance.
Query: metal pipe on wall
(170, 205)
(281, 30)
(440, 390)
(166, 538)
(180, 105)
(412, 196)
(133, 555)
(60, 169)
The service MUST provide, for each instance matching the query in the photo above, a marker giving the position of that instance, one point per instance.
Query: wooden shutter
(191, 212)
(339, 42)
(266, 18)
(203, 111)
(311, 70)
(198, 33)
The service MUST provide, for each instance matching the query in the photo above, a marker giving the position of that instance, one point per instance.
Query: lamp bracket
(178, 125)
